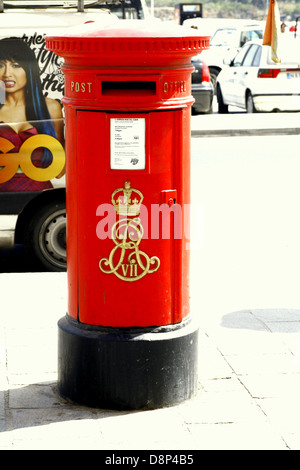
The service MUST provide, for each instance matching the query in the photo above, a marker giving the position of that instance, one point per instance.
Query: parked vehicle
(202, 88)
(32, 157)
(227, 41)
(255, 83)
(184, 11)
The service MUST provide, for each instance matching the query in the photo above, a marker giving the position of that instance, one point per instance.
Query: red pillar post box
(128, 340)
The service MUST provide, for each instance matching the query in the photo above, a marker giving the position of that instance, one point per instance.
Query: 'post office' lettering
(81, 87)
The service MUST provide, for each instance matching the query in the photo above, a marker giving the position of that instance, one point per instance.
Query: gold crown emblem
(127, 200)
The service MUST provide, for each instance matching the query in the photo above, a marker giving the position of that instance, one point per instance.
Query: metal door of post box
(146, 280)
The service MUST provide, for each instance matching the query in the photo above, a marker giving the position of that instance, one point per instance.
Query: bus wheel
(45, 236)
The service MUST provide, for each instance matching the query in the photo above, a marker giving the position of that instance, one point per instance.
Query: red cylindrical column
(128, 105)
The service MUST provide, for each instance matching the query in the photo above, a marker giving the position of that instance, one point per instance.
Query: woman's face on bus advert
(12, 75)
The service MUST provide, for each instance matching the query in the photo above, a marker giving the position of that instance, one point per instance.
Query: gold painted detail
(127, 201)
(175, 87)
(126, 260)
(81, 87)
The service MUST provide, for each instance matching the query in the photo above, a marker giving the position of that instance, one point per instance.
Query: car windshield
(223, 37)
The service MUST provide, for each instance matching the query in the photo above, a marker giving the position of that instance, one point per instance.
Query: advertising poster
(32, 156)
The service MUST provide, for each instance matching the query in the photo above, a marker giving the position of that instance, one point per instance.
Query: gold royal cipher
(126, 260)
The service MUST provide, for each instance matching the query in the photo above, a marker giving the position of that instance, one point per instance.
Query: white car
(227, 41)
(254, 82)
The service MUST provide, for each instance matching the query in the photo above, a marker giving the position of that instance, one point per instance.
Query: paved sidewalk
(249, 359)
(249, 382)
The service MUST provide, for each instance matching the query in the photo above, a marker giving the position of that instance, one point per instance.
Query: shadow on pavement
(265, 320)
(49, 407)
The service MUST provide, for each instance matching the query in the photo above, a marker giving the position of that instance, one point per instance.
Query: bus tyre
(45, 236)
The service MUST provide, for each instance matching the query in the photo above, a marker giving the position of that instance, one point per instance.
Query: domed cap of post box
(129, 42)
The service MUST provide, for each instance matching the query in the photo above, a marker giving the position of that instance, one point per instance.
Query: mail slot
(120, 87)
(128, 340)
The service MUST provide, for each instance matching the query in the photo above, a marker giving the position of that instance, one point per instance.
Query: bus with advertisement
(32, 153)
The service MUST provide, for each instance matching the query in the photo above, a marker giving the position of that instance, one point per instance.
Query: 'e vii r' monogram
(126, 260)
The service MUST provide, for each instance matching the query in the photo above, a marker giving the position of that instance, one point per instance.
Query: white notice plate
(127, 144)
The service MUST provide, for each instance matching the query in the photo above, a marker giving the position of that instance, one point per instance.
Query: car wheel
(45, 237)
(250, 107)
(222, 107)
(213, 78)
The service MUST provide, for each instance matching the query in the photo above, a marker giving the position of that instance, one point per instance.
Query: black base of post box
(127, 368)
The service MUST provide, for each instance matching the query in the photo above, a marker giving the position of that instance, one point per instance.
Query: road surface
(245, 210)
